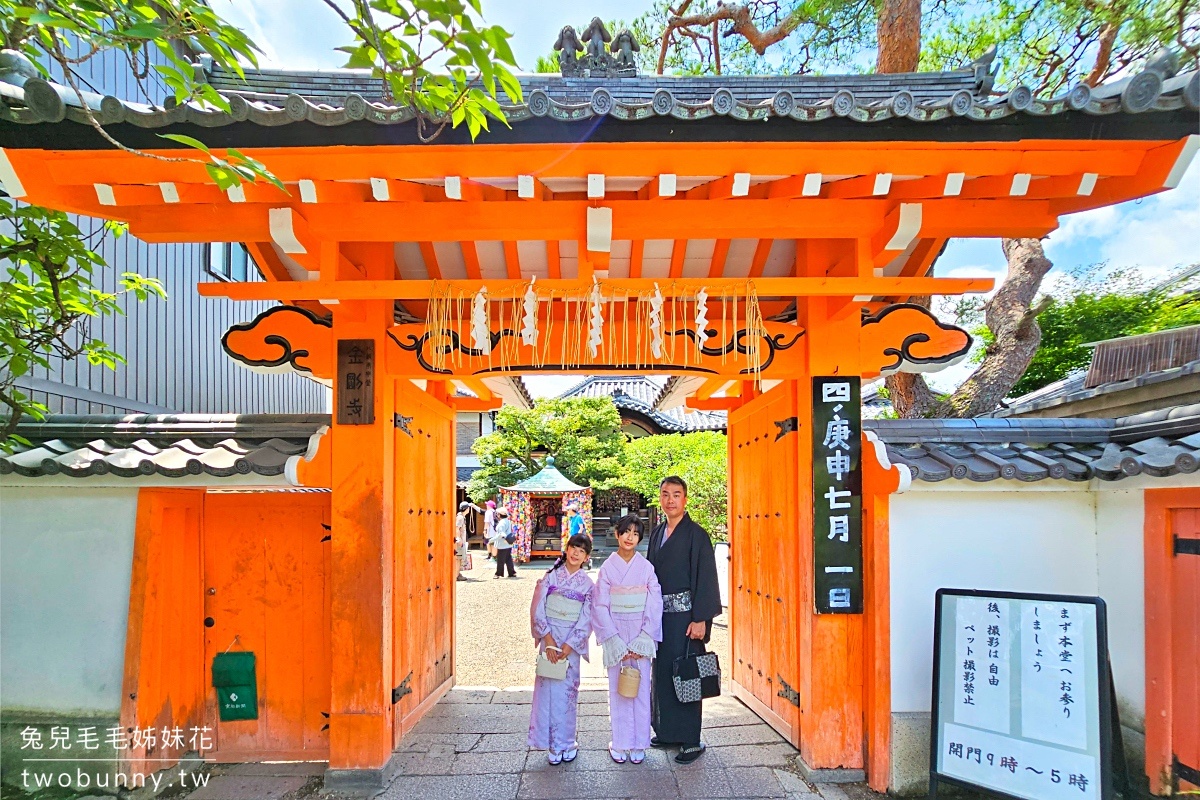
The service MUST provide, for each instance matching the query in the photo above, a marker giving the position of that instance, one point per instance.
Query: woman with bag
(562, 625)
(627, 616)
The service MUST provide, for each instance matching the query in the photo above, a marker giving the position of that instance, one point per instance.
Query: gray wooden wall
(172, 347)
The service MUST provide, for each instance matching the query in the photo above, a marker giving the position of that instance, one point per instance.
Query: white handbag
(546, 669)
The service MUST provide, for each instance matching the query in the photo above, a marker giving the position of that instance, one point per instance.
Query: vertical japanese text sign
(837, 496)
(356, 381)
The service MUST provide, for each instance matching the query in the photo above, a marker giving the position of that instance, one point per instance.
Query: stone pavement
(471, 746)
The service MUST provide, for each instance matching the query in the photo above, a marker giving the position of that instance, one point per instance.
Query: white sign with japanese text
(1018, 706)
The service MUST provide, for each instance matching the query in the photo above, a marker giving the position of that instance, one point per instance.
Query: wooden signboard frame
(1101, 691)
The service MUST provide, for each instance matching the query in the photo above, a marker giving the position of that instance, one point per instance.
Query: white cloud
(1156, 234)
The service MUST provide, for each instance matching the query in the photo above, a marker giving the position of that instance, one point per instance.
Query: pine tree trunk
(1012, 318)
(899, 32)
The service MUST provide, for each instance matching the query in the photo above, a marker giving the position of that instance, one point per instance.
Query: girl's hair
(580, 540)
(630, 521)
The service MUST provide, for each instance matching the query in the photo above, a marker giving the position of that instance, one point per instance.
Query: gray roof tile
(221, 446)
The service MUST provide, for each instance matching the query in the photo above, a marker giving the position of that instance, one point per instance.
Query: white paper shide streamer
(596, 322)
(529, 330)
(701, 318)
(481, 336)
(656, 336)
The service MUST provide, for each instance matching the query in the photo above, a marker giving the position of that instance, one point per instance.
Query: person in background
(627, 616)
(460, 536)
(686, 567)
(561, 627)
(489, 527)
(575, 527)
(503, 542)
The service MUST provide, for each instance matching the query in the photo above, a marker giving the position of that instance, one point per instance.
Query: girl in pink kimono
(627, 615)
(562, 625)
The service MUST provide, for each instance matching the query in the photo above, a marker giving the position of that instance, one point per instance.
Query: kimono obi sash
(677, 603)
(628, 600)
(564, 605)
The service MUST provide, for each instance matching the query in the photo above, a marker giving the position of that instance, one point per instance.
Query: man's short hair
(674, 480)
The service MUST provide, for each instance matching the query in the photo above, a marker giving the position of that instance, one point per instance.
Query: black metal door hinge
(1182, 771)
(787, 692)
(402, 689)
(786, 426)
(400, 421)
(1187, 547)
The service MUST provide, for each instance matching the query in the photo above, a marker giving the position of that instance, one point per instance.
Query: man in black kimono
(686, 567)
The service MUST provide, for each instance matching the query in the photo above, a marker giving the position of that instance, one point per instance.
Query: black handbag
(696, 675)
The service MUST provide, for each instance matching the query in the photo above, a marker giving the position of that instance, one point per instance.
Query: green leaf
(187, 140)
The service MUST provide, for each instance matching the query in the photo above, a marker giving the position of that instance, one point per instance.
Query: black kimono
(684, 564)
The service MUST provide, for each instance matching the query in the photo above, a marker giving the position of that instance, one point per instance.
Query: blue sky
(1155, 235)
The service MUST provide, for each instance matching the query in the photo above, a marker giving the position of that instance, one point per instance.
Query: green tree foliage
(435, 56)
(701, 459)
(583, 434)
(1091, 306)
(760, 36)
(47, 298)
(1045, 44)
(1050, 45)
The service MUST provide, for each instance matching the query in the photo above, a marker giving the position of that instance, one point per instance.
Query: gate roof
(691, 181)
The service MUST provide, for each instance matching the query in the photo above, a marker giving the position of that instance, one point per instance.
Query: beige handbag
(629, 682)
(546, 669)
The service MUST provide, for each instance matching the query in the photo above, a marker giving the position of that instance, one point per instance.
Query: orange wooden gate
(266, 560)
(423, 588)
(766, 592)
(1172, 580)
(1185, 645)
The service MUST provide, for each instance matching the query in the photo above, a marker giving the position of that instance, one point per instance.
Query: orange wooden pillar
(361, 567)
(831, 645)
(1171, 640)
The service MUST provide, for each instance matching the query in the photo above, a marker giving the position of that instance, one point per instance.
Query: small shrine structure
(538, 507)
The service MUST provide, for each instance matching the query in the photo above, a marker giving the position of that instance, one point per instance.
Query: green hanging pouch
(236, 684)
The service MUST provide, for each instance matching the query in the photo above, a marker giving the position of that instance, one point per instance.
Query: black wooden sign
(355, 391)
(837, 495)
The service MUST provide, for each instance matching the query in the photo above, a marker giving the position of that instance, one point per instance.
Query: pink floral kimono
(562, 607)
(627, 615)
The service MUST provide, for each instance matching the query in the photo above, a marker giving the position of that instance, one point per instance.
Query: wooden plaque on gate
(355, 391)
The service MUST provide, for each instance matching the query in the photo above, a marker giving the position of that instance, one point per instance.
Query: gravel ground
(494, 647)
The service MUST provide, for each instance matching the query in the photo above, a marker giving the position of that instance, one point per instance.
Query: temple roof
(642, 395)
(272, 98)
(548, 479)
(227, 448)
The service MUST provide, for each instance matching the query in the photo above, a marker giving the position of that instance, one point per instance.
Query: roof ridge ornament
(617, 60)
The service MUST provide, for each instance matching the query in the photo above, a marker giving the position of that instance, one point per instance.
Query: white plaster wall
(1026, 540)
(65, 562)
(1120, 557)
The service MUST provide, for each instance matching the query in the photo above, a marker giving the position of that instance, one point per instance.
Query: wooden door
(765, 587)
(424, 574)
(1185, 645)
(266, 559)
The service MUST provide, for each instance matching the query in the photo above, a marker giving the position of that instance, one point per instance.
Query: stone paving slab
(742, 734)
(754, 782)
(456, 787)
(498, 763)
(755, 755)
(552, 785)
(704, 783)
(502, 742)
(248, 787)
